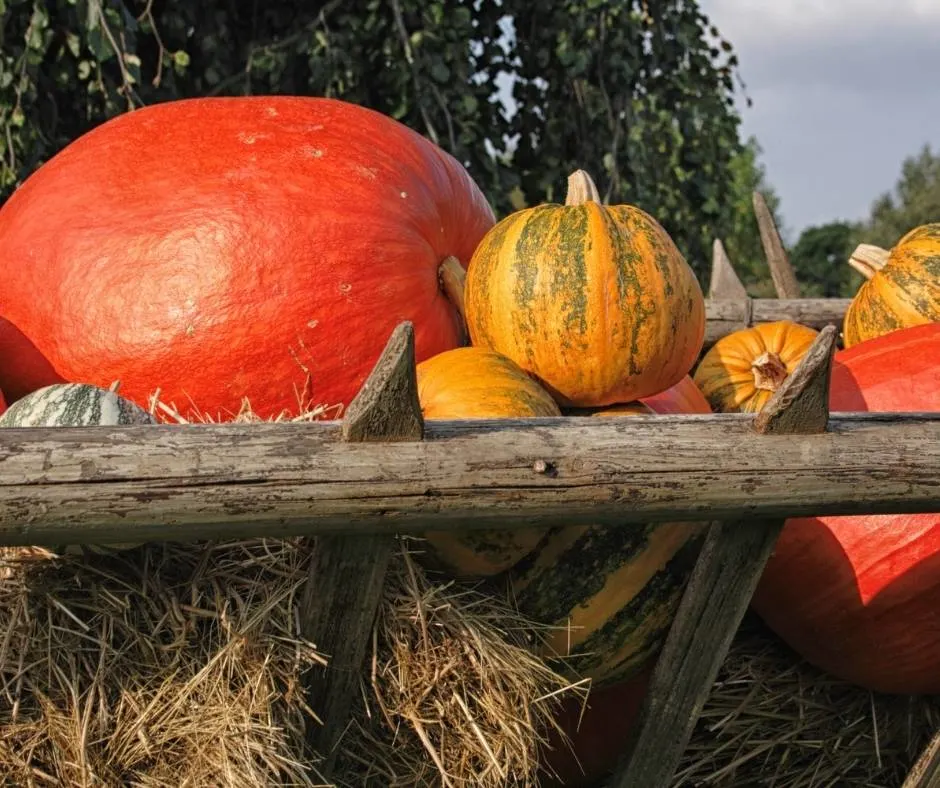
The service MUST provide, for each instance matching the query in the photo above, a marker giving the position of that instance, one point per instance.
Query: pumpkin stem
(452, 278)
(769, 372)
(868, 260)
(581, 189)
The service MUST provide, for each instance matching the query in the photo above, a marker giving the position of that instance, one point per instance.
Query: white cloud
(843, 91)
(762, 19)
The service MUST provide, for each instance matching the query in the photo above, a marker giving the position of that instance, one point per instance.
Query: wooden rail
(134, 484)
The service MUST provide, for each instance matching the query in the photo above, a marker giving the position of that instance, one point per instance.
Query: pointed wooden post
(725, 284)
(926, 772)
(347, 575)
(780, 269)
(718, 593)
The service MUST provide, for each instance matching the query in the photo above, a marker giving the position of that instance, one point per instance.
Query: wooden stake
(725, 284)
(718, 593)
(926, 772)
(344, 587)
(780, 269)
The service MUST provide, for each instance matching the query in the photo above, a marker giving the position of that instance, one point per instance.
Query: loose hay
(168, 665)
(774, 720)
(457, 697)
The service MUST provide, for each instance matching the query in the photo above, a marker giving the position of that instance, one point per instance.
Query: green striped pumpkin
(611, 593)
(73, 405)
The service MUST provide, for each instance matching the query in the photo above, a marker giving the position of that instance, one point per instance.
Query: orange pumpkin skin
(595, 301)
(859, 596)
(684, 397)
(742, 370)
(904, 292)
(223, 248)
(476, 383)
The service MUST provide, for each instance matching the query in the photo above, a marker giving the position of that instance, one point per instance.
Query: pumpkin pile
(260, 265)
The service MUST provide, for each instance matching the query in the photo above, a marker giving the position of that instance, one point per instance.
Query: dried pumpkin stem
(868, 260)
(452, 277)
(581, 189)
(769, 372)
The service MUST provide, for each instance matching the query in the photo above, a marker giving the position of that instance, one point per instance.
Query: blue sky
(843, 92)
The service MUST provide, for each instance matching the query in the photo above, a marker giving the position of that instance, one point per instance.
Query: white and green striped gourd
(74, 405)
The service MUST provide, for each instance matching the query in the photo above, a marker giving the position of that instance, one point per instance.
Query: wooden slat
(781, 271)
(132, 484)
(347, 575)
(723, 316)
(926, 772)
(725, 283)
(719, 592)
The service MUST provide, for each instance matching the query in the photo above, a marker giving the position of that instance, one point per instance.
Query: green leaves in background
(639, 94)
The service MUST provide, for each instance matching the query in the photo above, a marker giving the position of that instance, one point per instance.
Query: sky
(843, 91)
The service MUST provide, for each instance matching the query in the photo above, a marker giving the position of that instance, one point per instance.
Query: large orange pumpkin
(595, 301)
(742, 370)
(222, 248)
(477, 383)
(902, 288)
(859, 596)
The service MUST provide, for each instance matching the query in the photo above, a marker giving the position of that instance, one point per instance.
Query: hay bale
(166, 665)
(456, 696)
(774, 720)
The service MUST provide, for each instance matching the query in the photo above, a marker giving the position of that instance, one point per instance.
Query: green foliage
(820, 260)
(914, 201)
(742, 240)
(639, 94)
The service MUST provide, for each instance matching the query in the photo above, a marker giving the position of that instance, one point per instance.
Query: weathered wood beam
(725, 283)
(724, 316)
(926, 772)
(347, 575)
(719, 592)
(186, 482)
(785, 282)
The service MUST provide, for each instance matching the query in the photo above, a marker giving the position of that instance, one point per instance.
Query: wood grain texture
(347, 575)
(719, 591)
(225, 481)
(781, 271)
(724, 316)
(725, 283)
(926, 772)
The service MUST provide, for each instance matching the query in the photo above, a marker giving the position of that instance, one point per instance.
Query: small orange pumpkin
(742, 370)
(476, 383)
(902, 287)
(595, 301)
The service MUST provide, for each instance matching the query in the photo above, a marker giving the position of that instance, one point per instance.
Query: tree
(820, 260)
(914, 201)
(742, 239)
(639, 94)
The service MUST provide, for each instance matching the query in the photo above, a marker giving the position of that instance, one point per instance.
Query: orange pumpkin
(902, 287)
(595, 301)
(742, 370)
(476, 383)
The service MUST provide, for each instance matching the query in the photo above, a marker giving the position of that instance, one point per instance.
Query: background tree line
(523, 92)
